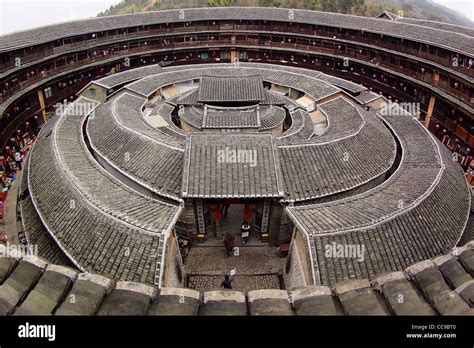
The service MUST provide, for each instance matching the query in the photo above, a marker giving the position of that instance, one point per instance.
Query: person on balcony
(446, 139)
(456, 147)
(467, 160)
(18, 159)
(437, 131)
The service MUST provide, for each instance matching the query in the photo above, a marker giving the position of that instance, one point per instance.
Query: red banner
(248, 212)
(217, 211)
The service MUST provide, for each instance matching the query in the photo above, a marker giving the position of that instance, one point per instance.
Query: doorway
(233, 220)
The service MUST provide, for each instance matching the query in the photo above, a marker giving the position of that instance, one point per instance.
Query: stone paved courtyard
(240, 283)
(256, 268)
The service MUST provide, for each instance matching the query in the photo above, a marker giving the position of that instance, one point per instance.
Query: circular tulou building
(321, 130)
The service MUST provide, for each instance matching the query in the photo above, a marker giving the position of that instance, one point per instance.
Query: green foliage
(221, 3)
(355, 7)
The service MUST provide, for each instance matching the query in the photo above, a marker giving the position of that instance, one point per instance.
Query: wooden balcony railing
(269, 29)
(426, 77)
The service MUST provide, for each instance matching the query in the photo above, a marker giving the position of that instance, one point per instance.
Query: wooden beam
(430, 111)
(43, 105)
(435, 78)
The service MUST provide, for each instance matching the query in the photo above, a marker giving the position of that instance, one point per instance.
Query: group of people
(229, 243)
(13, 154)
(229, 239)
(463, 157)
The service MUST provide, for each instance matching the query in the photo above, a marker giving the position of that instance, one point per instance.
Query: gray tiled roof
(356, 151)
(399, 222)
(337, 163)
(101, 188)
(438, 25)
(128, 112)
(164, 110)
(39, 237)
(300, 131)
(91, 217)
(367, 97)
(150, 162)
(246, 117)
(271, 116)
(441, 286)
(214, 166)
(266, 117)
(117, 79)
(336, 81)
(189, 98)
(213, 117)
(390, 28)
(390, 198)
(269, 98)
(344, 119)
(193, 115)
(51, 288)
(306, 80)
(36, 233)
(235, 89)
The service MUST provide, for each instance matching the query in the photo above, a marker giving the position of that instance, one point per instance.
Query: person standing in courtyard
(227, 282)
(245, 230)
(229, 244)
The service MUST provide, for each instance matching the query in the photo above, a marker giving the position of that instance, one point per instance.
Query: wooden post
(234, 56)
(43, 105)
(435, 78)
(430, 111)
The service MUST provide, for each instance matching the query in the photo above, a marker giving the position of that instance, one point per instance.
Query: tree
(328, 5)
(344, 6)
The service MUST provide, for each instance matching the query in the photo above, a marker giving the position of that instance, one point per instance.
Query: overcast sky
(24, 14)
(466, 7)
